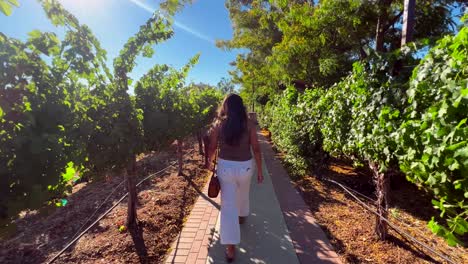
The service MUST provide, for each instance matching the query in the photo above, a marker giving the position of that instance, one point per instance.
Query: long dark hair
(233, 116)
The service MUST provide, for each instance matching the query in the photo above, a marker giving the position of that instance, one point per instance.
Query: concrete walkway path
(280, 229)
(264, 235)
(310, 242)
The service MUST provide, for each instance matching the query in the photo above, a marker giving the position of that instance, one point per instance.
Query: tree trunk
(408, 22)
(379, 38)
(206, 143)
(381, 184)
(381, 25)
(132, 194)
(200, 142)
(253, 98)
(362, 53)
(179, 155)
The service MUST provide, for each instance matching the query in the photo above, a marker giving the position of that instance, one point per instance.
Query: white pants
(234, 177)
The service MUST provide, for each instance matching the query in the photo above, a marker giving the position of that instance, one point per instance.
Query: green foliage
(434, 135)
(226, 86)
(116, 135)
(354, 118)
(173, 6)
(336, 122)
(205, 101)
(6, 6)
(328, 35)
(374, 116)
(170, 110)
(284, 128)
(317, 42)
(39, 121)
(355, 103)
(63, 113)
(69, 173)
(293, 120)
(374, 102)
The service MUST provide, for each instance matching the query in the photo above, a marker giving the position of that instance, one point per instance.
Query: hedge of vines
(415, 123)
(64, 114)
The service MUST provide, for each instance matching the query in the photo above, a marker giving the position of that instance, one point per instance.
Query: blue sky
(114, 21)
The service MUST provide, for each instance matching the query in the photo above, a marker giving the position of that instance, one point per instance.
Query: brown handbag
(214, 187)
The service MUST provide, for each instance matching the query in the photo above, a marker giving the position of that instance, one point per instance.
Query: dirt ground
(350, 227)
(164, 202)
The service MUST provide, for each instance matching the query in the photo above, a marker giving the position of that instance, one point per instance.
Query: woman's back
(238, 152)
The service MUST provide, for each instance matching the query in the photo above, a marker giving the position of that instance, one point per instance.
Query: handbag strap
(215, 161)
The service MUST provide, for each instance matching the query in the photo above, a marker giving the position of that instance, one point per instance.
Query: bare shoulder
(216, 126)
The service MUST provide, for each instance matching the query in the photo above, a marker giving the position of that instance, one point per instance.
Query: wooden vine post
(382, 187)
(180, 156)
(132, 194)
(200, 142)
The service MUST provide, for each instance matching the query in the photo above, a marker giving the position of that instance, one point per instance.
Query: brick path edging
(191, 246)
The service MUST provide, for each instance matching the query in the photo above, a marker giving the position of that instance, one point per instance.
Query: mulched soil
(164, 202)
(350, 227)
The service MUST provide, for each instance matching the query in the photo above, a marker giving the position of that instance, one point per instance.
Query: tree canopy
(317, 43)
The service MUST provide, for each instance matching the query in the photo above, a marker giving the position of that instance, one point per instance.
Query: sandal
(230, 259)
(241, 219)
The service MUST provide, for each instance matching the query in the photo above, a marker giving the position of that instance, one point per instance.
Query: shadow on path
(201, 193)
(139, 242)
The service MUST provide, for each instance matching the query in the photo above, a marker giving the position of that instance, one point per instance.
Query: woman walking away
(233, 134)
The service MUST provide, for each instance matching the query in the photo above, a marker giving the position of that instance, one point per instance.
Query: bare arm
(257, 152)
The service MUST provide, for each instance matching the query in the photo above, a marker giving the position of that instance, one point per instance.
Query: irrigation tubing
(87, 229)
(396, 218)
(108, 197)
(396, 228)
(100, 206)
(108, 211)
(103, 215)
